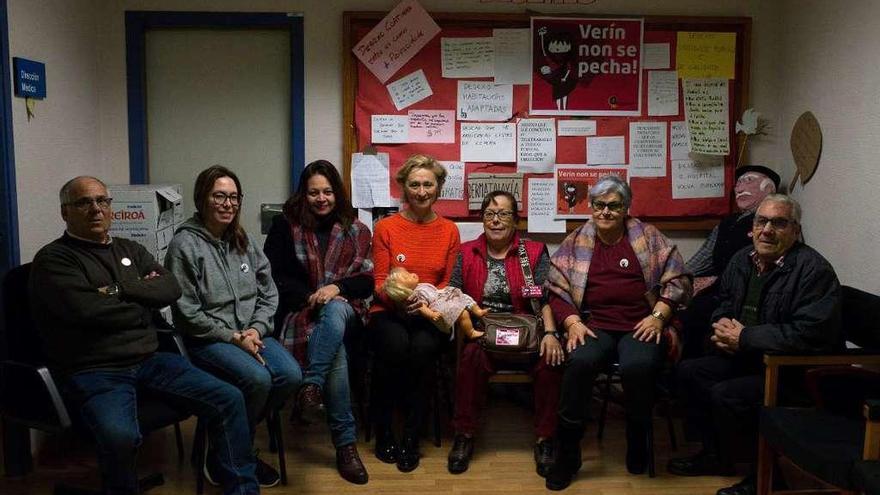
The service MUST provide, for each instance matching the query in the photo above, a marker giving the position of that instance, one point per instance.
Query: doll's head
(400, 283)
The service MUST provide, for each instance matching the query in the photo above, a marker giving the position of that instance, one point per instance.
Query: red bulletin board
(366, 96)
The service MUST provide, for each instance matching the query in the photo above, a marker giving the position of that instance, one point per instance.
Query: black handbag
(512, 336)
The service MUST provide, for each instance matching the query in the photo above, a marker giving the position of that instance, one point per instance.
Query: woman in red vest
(488, 269)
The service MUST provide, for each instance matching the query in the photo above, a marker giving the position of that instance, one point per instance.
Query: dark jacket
(82, 328)
(800, 303)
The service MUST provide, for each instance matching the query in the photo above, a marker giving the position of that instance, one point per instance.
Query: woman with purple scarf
(614, 284)
(320, 256)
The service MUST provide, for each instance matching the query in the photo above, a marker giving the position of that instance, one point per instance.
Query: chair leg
(276, 437)
(765, 466)
(178, 437)
(436, 400)
(270, 425)
(606, 397)
(650, 440)
(670, 425)
(199, 451)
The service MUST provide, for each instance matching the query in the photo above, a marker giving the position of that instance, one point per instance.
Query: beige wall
(86, 40)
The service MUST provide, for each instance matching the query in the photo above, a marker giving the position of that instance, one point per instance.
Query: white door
(220, 96)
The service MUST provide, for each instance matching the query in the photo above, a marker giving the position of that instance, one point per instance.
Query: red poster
(573, 183)
(586, 66)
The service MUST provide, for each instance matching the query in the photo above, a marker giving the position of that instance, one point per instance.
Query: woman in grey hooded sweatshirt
(228, 303)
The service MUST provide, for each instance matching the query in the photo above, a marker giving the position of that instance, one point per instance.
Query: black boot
(568, 458)
(408, 455)
(386, 446)
(636, 447)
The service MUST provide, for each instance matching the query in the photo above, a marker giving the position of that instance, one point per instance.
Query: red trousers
(475, 367)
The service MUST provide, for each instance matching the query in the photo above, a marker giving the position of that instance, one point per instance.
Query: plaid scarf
(348, 255)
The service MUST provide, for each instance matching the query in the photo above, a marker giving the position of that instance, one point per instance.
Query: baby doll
(445, 307)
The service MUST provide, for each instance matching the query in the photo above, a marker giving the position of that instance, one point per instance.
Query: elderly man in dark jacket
(778, 295)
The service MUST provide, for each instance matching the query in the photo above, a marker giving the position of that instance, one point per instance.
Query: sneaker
(545, 454)
(267, 476)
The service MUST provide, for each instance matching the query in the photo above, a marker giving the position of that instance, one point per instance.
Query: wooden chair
(828, 442)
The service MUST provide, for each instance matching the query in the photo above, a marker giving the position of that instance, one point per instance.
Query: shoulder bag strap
(527, 275)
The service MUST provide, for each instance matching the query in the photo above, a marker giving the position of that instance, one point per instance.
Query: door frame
(9, 248)
(136, 25)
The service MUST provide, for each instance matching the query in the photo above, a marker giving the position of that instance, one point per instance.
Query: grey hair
(64, 193)
(786, 200)
(611, 184)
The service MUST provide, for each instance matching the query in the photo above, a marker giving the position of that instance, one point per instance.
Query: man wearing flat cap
(734, 232)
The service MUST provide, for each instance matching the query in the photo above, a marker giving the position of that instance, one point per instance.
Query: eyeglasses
(776, 223)
(220, 198)
(83, 204)
(503, 215)
(613, 206)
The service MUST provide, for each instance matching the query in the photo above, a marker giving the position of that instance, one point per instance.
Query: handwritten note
(662, 92)
(390, 129)
(488, 142)
(679, 141)
(512, 62)
(705, 55)
(409, 89)
(468, 57)
(432, 126)
(536, 145)
(484, 101)
(542, 207)
(577, 127)
(606, 150)
(655, 56)
(397, 37)
(453, 188)
(705, 108)
(479, 185)
(370, 180)
(647, 149)
(690, 180)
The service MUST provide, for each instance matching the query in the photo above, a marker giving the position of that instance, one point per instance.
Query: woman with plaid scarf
(320, 256)
(614, 284)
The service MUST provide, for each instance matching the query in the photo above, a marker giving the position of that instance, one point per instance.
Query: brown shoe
(310, 403)
(349, 465)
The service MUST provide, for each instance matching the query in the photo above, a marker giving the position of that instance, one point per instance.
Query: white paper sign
(606, 150)
(512, 62)
(488, 142)
(365, 215)
(655, 56)
(542, 207)
(468, 57)
(690, 180)
(370, 180)
(409, 89)
(662, 92)
(679, 141)
(647, 149)
(484, 101)
(469, 231)
(705, 108)
(389, 129)
(536, 145)
(453, 188)
(577, 127)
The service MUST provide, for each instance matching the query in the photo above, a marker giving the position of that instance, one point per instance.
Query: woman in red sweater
(405, 344)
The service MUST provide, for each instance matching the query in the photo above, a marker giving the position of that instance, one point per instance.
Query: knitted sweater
(83, 328)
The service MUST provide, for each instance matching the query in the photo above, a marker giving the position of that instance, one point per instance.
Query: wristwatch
(113, 289)
(554, 333)
(658, 315)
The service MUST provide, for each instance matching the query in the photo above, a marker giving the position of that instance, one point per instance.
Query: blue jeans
(107, 401)
(264, 387)
(328, 367)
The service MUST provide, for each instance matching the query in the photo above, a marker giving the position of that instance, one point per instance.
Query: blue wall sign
(30, 78)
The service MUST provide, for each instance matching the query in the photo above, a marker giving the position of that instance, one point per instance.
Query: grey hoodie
(223, 291)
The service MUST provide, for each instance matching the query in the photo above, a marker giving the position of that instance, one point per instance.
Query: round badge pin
(401, 258)
(125, 262)
(624, 262)
(245, 268)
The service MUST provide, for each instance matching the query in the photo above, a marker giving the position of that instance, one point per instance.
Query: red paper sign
(586, 66)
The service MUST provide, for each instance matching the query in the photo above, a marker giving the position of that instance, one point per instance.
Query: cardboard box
(147, 213)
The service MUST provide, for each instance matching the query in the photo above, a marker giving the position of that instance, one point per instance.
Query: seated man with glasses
(92, 298)
(777, 295)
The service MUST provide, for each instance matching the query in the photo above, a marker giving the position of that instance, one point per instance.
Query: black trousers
(639, 364)
(405, 351)
(723, 395)
(696, 321)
